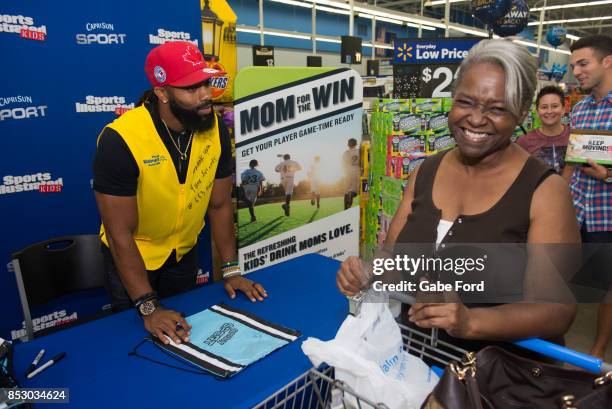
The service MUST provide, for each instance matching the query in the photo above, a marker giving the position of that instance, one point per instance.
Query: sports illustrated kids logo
(54, 319)
(24, 26)
(163, 36)
(100, 34)
(8, 111)
(42, 182)
(116, 104)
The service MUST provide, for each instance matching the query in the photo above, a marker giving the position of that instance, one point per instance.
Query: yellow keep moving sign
(589, 144)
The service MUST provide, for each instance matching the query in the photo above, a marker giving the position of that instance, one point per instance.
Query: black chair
(55, 268)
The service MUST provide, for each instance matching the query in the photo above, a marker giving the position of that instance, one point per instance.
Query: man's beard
(190, 119)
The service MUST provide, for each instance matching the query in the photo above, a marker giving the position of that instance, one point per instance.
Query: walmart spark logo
(403, 52)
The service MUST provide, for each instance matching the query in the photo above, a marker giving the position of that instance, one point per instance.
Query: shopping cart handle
(552, 350)
(549, 349)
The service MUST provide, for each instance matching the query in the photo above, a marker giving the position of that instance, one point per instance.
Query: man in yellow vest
(158, 170)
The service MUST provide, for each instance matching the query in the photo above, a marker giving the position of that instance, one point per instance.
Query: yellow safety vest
(170, 214)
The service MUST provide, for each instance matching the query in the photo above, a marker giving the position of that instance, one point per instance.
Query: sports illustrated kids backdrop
(297, 136)
(67, 70)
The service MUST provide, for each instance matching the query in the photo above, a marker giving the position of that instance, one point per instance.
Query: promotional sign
(67, 72)
(223, 86)
(594, 145)
(426, 68)
(297, 151)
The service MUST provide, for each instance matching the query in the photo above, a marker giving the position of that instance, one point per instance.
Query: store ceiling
(579, 28)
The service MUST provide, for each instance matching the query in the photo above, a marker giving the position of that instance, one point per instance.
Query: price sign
(426, 68)
(436, 80)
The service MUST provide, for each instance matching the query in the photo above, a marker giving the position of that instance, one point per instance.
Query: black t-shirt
(115, 169)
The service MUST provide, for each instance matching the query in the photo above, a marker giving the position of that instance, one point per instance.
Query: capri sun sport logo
(8, 111)
(94, 36)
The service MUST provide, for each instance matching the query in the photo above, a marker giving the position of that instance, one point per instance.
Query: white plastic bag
(368, 355)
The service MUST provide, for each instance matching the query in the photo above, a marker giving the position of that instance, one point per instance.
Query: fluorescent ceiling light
(476, 32)
(294, 3)
(570, 20)
(247, 30)
(440, 2)
(274, 33)
(385, 46)
(332, 10)
(395, 21)
(388, 20)
(573, 5)
(401, 17)
(554, 7)
(376, 12)
(424, 27)
(545, 47)
(340, 10)
(328, 40)
(331, 3)
(289, 35)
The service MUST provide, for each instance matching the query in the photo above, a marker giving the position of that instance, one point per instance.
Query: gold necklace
(183, 155)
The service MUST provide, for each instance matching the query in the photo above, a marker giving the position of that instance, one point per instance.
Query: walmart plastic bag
(368, 355)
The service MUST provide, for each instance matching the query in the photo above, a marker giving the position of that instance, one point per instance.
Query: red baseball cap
(179, 64)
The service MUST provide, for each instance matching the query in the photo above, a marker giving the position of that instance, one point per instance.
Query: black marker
(46, 365)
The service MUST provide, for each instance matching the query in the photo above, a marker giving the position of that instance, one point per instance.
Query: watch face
(147, 307)
(608, 179)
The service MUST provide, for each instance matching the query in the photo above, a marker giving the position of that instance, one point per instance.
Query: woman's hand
(352, 277)
(454, 318)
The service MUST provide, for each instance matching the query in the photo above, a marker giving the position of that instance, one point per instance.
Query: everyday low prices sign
(411, 51)
(426, 68)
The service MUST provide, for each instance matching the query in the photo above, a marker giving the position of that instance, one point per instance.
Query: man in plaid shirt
(591, 185)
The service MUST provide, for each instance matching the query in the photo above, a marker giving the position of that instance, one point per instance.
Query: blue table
(100, 374)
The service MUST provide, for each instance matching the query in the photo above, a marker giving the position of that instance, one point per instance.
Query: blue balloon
(488, 11)
(556, 35)
(514, 21)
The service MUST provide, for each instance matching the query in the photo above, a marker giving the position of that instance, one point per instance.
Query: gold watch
(148, 307)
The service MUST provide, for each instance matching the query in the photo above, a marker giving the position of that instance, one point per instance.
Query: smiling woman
(486, 190)
(549, 142)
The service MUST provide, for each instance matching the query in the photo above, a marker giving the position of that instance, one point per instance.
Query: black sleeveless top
(507, 221)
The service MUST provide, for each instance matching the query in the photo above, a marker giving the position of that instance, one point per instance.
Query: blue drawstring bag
(225, 340)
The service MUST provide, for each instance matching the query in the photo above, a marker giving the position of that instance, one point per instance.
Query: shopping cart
(317, 388)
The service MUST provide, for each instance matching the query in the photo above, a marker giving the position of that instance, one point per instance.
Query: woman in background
(549, 142)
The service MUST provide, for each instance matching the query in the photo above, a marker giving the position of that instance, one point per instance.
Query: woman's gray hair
(519, 67)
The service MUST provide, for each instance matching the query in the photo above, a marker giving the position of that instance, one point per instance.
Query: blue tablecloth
(100, 374)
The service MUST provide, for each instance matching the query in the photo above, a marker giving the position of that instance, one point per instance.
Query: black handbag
(497, 379)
